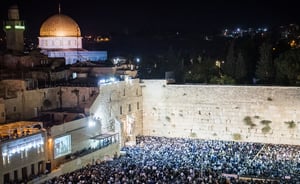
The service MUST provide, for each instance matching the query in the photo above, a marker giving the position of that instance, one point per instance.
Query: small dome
(60, 25)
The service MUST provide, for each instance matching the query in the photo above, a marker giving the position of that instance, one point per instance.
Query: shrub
(193, 134)
(248, 121)
(265, 122)
(266, 129)
(236, 136)
(291, 124)
(168, 118)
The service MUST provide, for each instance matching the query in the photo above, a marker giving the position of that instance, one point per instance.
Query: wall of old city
(119, 108)
(13, 62)
(21, 104)
(27, 104)
(74, 96)
(219, 112)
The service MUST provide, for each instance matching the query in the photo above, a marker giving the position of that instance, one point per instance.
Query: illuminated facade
(60, 36)
(14, 29)
(22, 146)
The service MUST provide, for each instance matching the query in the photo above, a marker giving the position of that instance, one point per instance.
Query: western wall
(267, 114)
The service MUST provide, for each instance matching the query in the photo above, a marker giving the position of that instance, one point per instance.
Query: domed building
(60, 36)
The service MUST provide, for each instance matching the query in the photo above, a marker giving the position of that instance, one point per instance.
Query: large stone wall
(218, 112)
(119, 108)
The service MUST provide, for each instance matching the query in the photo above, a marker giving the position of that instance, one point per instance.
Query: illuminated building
(80, 125)
(22, 150)
(14, 29)
(60, 36)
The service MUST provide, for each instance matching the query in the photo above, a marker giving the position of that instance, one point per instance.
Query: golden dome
(59, 25)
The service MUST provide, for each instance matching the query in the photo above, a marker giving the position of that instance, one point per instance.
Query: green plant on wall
(265, 122)
(193, 134)
(168, 118)
(236, 136)
(256, 117)
(269, 99)
(266, 129)
(248, 121)
(291, 124)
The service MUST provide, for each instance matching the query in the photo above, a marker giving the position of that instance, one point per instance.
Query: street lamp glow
(91, 123)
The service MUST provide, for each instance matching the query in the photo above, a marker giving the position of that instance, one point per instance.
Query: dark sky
(100, 16)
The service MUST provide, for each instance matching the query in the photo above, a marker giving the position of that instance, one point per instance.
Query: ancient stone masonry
(243, 113)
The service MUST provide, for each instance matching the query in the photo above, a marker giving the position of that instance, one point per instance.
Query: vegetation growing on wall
(265, 122)
(236, 136)
(248, 121)
(291, 124)
(193, 134)
(269, 99)
(168, 118)
(266, 129)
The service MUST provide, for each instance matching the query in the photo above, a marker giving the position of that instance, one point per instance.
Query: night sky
(99, 16)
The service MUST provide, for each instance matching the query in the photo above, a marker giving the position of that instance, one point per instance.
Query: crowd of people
(161, 160)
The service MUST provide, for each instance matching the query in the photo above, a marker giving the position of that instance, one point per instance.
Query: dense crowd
(160, 160)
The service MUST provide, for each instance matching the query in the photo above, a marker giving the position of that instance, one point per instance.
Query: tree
(240, 69)
(265, 67)
(193, 73)
(200, 71)
(222, 80)
(288, 67)
(229, 65)
(174, 62)
(248, 46)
